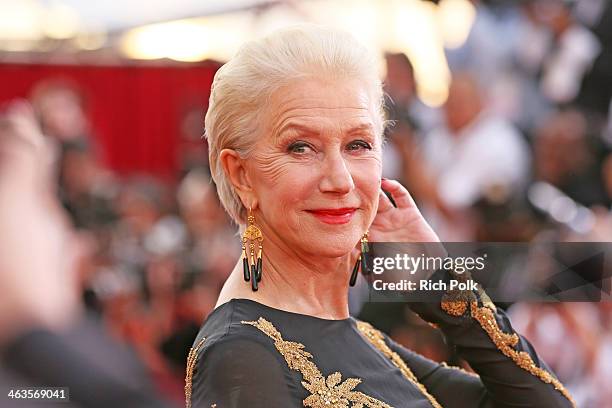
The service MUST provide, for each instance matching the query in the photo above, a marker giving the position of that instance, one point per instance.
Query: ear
(236, 172)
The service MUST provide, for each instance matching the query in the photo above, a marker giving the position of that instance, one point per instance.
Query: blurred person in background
(410, 119)
(86, 187)
(596, 93)
(487, 53)
(60, 107)
(402, 102)
(567, 157)
(45, 340)
(211, 239)
(476, 155)
(567, 49)
(536, 55)
(192, 152)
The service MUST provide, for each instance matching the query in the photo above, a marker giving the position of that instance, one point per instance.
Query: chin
(329, 252)
(329, 240)
(330, 245)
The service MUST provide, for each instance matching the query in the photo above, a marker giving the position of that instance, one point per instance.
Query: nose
(337, 177)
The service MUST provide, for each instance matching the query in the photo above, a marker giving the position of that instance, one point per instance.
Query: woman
(295, 127)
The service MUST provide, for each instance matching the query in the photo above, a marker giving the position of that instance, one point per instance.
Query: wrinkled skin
(321, 147)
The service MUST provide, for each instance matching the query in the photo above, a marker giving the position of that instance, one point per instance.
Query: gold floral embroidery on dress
(505, 342)
(378, 340)
(330, 392)
(455, 302)
(192, 359)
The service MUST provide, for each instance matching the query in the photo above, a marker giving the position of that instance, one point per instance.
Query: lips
(334, 215)
(333, 211)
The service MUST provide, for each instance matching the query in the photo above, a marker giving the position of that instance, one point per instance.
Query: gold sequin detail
(454, 307)
(325, 392)
(378, 340)
(192, 359)
(506, 342)
(455, 302)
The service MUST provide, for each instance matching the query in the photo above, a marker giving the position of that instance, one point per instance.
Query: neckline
(270, 308)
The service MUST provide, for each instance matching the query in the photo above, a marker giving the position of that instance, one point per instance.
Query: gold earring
(361, 261)
(252, 266)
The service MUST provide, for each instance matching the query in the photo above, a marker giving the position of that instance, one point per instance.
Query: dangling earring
(361, 261)
(252, 266)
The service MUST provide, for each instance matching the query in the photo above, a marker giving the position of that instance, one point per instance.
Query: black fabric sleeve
(511, 373)
(451, 387)
(241, 373)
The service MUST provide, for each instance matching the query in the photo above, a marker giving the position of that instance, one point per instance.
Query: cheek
(272, 168)
(367, 177)
(282, 182)
(367, 173)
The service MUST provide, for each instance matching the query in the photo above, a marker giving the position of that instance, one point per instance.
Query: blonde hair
(243, 85)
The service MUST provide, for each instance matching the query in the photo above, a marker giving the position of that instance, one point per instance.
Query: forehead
(321, 103)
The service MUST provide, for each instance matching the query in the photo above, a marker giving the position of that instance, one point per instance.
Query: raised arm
(511, 373)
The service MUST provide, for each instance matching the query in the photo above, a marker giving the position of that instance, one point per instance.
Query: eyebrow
(361, 128)
(308, 130)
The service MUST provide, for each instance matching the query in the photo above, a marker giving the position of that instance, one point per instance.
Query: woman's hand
(402, 224)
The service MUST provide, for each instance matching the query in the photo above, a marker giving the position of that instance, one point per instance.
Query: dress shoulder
(232, 366)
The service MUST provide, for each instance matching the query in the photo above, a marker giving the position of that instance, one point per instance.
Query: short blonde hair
(243, 85)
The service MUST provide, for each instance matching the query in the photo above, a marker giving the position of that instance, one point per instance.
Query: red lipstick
(334, 215)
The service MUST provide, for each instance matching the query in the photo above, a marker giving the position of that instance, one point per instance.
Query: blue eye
(359, 144)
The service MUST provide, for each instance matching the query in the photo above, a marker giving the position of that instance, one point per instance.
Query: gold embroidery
(455, 304)
(454, 307)
(325, 392)
(192, 359)
(378, 340)
(505, 343)
(486, 300)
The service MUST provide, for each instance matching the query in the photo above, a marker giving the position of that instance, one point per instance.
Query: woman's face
(316, 168)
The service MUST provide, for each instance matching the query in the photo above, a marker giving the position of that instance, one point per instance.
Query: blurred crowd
(520, 151)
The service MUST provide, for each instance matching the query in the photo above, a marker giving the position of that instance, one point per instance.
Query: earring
(361, 261)
(251, 266)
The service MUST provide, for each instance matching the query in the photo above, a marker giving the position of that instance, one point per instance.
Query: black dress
(251, 355)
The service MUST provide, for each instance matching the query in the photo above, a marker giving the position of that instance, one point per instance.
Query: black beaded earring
(362, 261)
(252, 266)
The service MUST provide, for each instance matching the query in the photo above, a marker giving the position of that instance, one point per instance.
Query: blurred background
(502, 132)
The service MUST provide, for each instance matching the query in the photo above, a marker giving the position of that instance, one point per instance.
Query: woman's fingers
(384, 204)
(400, 194)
